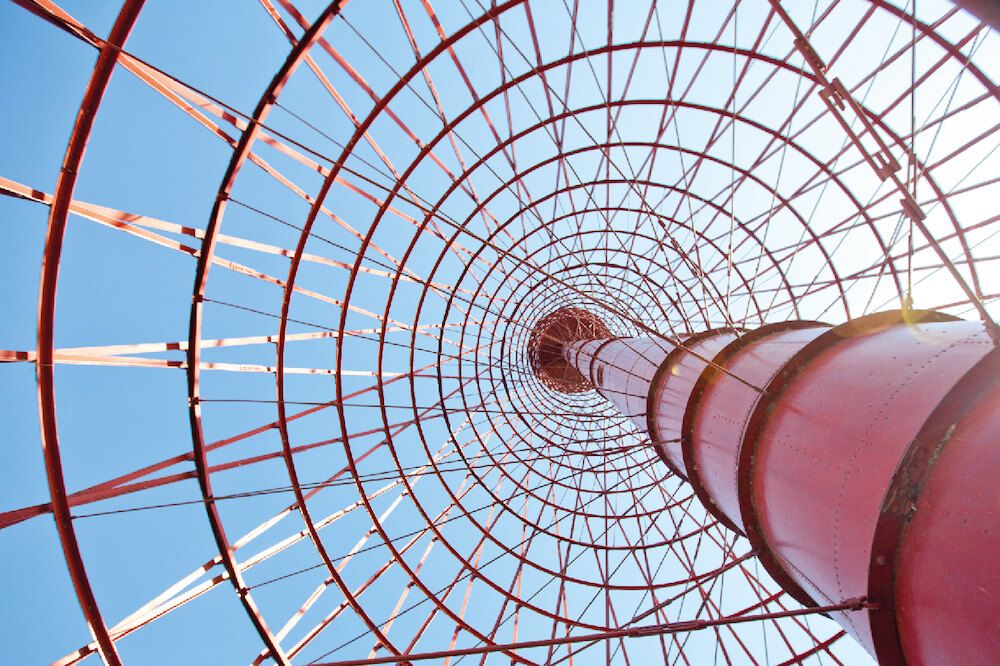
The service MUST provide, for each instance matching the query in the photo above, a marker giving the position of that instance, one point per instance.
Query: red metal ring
(911, 476)
(659, 378)
(758, 420)
(708, 375)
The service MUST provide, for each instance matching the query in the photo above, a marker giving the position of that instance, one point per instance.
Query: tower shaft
(860, 460)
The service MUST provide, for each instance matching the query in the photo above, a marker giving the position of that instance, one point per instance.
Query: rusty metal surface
(833, 433)
(931, 566)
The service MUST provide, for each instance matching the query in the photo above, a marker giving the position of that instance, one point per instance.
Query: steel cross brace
(838, 99)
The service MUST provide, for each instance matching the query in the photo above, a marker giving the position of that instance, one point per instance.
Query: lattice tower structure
(302, 303)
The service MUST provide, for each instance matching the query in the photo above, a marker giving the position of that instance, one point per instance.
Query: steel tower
(403, 331)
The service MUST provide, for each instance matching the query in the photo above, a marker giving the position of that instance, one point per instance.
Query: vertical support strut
(860, 460)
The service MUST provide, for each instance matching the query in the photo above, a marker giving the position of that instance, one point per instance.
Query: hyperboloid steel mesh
(271, 270)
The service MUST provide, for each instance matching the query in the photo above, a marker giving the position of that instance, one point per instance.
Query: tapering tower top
(547, 340)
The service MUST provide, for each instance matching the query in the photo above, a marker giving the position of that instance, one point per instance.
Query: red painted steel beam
(860, 460)
(48, 285)
(633, 632)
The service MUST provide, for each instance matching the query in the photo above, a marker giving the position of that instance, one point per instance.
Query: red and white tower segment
(860, 460)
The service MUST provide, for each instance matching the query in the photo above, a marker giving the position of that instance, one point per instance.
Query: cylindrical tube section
(937, 543)
(721, 404)
(860, 460)
(621, 370)
(820, 449)
(671, 389)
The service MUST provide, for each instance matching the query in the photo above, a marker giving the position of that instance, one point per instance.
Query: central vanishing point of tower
(860, 460)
